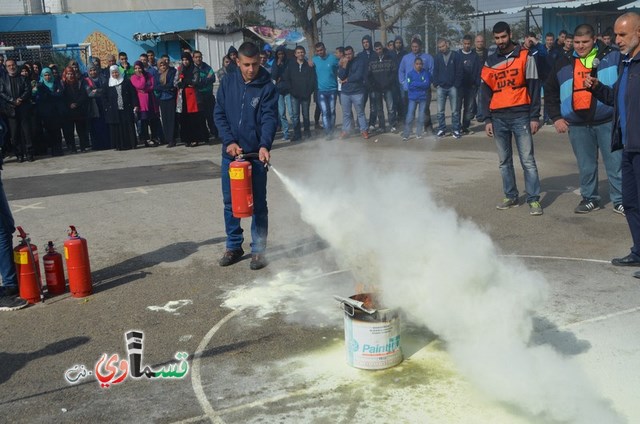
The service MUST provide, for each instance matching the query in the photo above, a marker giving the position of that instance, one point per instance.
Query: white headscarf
(115, 81)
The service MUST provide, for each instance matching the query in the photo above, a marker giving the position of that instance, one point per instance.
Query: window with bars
(27, 38)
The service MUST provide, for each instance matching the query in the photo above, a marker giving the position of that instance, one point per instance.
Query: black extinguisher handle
(251, 156)
(247, 156)
(73, 232)
(21, 232)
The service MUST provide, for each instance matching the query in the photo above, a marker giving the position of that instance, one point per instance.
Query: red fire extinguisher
(25, 256)
(76, 254)
(241, 188)
(53, 271)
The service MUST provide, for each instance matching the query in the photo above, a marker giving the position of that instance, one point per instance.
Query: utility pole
(274, 14)
(426, 27)
(342, 15)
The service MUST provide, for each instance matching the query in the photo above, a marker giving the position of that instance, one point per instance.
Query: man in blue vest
(575, 110)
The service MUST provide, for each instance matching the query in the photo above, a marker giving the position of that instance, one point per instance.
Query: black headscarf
(187, 71)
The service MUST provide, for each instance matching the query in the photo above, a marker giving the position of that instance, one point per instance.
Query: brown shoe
(365, 135)
(258, 261)
(230, 257)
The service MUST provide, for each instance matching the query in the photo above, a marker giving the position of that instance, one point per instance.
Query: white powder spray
(447, 275)
(293, 294)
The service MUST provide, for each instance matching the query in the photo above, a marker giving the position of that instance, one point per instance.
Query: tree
(307, 14)
(518, 30)
(435, 19)
(247, 13)
(387, 13)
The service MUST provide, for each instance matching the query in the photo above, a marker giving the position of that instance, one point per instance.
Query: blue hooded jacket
(418, 84)
(246, 114)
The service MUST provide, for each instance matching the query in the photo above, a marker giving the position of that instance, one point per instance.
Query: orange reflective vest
(508, 82)
(582, 97)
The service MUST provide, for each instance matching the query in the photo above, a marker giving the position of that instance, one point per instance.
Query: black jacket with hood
(277, 72)
(382, 73)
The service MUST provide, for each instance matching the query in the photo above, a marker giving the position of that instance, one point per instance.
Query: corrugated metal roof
(635, 4)
(569, 4)
(572, 4)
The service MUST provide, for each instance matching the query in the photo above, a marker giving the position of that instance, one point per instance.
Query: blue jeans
(7, 227)
(521, 129)
(327, 100)
(454, 99)
(631, 196)
(296, 105)
(421, 105)
(586, 140)
(468, 102)
(388, 97)
(259, 222)
(284, 107)
(357, 101)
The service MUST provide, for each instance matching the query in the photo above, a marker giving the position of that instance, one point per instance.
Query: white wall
(214, 47)
(20, 7)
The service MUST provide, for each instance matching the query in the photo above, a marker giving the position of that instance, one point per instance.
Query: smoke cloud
(446, 274)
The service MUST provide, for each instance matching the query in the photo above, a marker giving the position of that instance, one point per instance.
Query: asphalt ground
(153, 221)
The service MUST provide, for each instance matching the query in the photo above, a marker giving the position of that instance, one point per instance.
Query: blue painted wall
(119, 27)
(562, 18)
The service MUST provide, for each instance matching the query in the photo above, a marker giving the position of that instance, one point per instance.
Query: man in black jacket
(447, 78)
(15, 90)
(382, 77)
(301, 79)
(397, 54)
(471, 67)
(367, 55)
(626, 125)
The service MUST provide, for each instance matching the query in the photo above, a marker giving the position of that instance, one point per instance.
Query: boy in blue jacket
(246, 115)
(418, 82)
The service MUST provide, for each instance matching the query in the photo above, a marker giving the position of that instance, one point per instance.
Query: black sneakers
(230, 257)
(258, 261)
(587, 206)
(9, 300)
(8, 291)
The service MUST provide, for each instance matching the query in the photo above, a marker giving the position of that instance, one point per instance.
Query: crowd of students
(121, 106)
(151, 102)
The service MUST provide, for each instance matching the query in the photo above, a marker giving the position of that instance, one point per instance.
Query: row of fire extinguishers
(76, 254)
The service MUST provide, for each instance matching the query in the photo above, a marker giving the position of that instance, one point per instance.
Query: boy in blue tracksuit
(418, 82)
(246, 115)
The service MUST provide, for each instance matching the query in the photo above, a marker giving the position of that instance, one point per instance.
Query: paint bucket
(372, 336)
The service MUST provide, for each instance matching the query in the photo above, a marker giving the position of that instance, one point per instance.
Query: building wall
(20, 7)
(216, 11)
(214, 47)
(600, 16)
(85, 6)
(108, 32)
